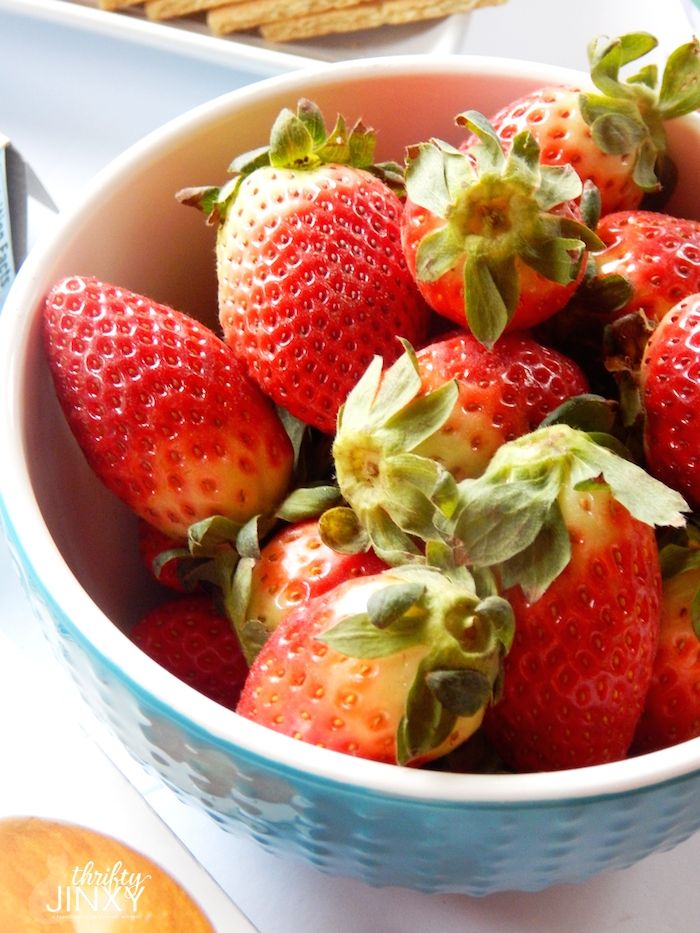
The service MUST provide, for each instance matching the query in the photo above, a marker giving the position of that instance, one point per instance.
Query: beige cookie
(236, 17)
(118, 4)
(366, 16)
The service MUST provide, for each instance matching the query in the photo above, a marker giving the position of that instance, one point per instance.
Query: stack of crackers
(287, 20)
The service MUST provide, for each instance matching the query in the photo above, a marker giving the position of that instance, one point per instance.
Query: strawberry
(162, 409)
(672, 707)
(406, 436)
(670, 386)
(583, 651)
(189, 637)
(656, 257)
(567, 528)
(312, 277)
(396, 667)
(649, 262)
(614, 136)
(493, 241)
(294, 566)
(503, 393)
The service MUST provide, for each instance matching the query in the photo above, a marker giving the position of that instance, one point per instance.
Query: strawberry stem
(300, 141)
(509, 518)
(466, 640)
(395, 494)
(628, 116)
(496, 209)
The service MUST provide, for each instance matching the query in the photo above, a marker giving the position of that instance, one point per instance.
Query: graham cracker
(170, 9)
(365, 16)
(235, 17)
(118, 4)
(286, 20)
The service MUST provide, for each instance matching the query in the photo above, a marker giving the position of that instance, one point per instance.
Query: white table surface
(71, 99)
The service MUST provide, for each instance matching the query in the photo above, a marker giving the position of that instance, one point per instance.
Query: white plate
(191, 36)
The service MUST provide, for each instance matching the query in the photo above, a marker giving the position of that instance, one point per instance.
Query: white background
(72, 98)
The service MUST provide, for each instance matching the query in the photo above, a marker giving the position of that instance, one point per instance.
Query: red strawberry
(613, 136)
(396, 667)
(295, 566)
(162, 409)
(553, 116)
(657, 256)
(502, 393)
(189, 637)
(650, 261)
(672, 708)
(583, 651)
(567, 527)
(312, 277)
(493, 241)
(409, 433)
(670, 385)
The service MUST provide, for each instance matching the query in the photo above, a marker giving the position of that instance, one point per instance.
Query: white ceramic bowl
(389, 826)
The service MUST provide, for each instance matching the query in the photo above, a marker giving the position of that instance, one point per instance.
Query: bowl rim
(28, 534)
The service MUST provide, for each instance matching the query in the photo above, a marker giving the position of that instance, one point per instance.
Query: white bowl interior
(130, 230)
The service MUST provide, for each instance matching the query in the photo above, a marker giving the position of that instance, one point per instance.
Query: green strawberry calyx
(466, 638)
(628, 116)
(509, 518)
(396, 500)
(298, 140)
(497, 209)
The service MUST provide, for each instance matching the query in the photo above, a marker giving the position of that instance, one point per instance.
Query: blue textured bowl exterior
(424, 831)
(428, 846)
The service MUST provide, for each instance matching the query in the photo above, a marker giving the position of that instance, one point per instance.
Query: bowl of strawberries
(351, 462)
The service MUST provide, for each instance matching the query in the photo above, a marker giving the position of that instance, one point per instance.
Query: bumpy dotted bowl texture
(426, 830)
